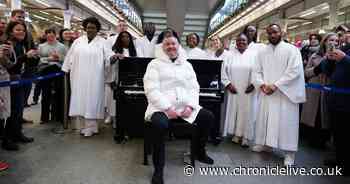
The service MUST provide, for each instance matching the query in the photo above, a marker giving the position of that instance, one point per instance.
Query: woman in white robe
(86, 62)
(236, 75)
(123, 47)
(215, 50)
(193, 52)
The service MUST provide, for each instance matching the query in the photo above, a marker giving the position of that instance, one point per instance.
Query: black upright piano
(131, 102)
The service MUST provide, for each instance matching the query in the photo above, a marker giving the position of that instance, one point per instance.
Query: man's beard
(275, 42)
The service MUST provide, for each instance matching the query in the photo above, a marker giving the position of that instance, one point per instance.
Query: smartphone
(331, 47)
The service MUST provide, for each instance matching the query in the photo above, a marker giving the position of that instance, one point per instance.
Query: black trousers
(160, 124)
(2, 128)
(341, 123)
(28, 87)
(52, 96)
(13, 127)
(37, 92)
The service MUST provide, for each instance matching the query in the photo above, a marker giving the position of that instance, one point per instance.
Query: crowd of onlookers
(21, 58)
(92, 62)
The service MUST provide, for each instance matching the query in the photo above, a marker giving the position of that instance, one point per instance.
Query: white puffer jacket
(171, 84)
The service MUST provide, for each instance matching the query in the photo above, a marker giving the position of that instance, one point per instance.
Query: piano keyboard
(133, 92)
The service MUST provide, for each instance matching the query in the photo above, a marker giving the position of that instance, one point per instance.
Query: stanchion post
(66, 98)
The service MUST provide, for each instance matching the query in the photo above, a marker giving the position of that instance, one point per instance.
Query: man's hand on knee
(171, 113)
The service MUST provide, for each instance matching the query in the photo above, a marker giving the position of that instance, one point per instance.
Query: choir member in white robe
(236, 75)
(146, 44)
(110, 75)
(123, 47)
(279, 75)
(215, 50)
(193, 52)
(86, 61)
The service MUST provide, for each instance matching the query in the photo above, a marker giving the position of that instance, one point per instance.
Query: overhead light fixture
(306, 23)
(325, 8)
(58, 17)
(44, 13)
(341, 13)
(308, 13)
(39, 17)
(321, 31)
(43, 3)
(293, 27)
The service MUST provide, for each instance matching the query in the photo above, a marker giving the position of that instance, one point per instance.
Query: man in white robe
(147, 43)
(86, 60)
(193, 52)
(241, 102)
(279, 76)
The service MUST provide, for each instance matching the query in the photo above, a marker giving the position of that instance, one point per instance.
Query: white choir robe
(277, 123)
(86, 63)
(109, 74)
(196, 53)
(211, 55)
(240, 107)
(145, 46)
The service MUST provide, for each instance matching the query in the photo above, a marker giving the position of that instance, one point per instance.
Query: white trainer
(235, 139)
(245, 142)
(289, 159)
(108, 120)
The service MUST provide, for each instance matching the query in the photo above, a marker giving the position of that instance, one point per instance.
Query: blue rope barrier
(327, 88)
(319, 87)
(30, 80)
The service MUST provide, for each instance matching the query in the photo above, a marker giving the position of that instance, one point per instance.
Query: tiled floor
(72, 159)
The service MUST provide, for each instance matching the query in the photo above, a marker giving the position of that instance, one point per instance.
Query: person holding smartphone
(315, 115)
(17, 56)
(336, 66)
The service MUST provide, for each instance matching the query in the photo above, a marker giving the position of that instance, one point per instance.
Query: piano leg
(214, 107)
(119, 133)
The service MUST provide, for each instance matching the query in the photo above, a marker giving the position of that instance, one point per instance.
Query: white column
(67, 16)
(16, 4)
(283, 21)
(333, 8)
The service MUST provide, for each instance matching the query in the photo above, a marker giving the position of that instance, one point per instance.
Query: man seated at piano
(172, 92)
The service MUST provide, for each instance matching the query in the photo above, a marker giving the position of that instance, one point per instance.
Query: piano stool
(174, 126)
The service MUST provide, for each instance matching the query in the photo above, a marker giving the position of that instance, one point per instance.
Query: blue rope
(30, 80)
(327, 88)
(319, 87)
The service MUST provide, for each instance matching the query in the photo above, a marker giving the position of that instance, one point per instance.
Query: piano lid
(132, 70)
(208, 72)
